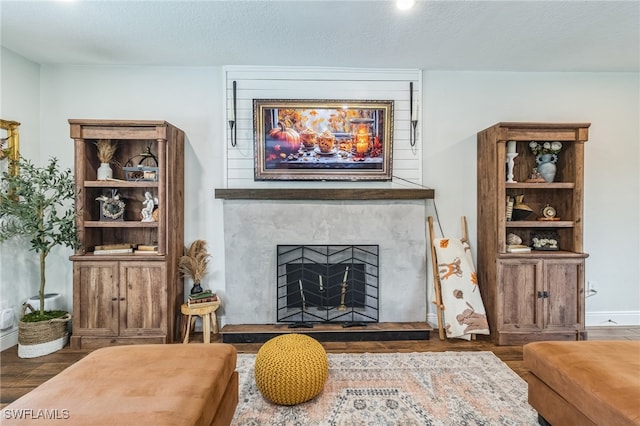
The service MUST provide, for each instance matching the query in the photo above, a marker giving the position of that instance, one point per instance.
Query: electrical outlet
(6, 318)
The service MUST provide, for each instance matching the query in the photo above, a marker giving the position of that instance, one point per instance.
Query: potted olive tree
(37, 204)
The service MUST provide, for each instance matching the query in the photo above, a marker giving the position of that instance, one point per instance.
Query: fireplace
(257, 220)
(327, 283)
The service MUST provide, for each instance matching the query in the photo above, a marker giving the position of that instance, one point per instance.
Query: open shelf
(118, 184)
(540, 224)
(119, 224)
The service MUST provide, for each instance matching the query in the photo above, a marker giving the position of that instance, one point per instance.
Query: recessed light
(405, 4)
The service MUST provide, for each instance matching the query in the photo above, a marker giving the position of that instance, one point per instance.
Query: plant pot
(52, 302)
(42, 337)
(42, 349)
(104, 172)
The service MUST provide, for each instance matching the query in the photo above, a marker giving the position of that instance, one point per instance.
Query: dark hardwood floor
(19, 376)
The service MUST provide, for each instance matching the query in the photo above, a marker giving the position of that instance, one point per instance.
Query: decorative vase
(547, 166)
(104, 171)
(521, 211)
(196, 288)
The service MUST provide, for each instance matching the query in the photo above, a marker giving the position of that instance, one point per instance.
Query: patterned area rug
(429, 388)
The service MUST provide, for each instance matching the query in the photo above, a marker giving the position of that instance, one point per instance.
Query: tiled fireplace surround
(257, 220)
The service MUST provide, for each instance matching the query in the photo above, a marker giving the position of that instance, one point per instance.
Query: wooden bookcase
(128, 298)
(537, 295)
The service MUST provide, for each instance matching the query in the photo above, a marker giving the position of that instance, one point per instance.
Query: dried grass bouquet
(106, 150)
(194, 263)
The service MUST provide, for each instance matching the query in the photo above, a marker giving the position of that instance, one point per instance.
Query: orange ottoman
(137, 385)
(585, 382)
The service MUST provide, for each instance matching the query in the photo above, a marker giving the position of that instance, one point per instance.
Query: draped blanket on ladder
(464, 312)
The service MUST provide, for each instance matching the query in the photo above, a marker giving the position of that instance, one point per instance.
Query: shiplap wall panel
(322, 84)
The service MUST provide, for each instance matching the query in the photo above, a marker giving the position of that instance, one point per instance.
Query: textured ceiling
(434, 35)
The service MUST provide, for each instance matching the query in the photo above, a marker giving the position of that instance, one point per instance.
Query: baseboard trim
(612, 318)
(9, 339)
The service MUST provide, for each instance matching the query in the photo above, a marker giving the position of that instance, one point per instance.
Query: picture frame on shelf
(323, 139)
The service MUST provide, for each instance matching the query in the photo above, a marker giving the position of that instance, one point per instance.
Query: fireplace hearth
(327, 284)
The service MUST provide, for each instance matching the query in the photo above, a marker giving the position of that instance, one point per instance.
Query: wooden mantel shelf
(324, 194)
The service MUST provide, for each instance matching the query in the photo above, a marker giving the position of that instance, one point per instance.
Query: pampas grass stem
(106, 150)
(194, 263)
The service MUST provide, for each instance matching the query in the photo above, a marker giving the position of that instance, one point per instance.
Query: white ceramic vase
(104, 171)
(547, 166)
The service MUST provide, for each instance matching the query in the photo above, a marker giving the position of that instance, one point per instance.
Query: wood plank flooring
(19, 376)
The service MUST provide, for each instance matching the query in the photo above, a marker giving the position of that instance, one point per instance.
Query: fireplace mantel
(324, 194)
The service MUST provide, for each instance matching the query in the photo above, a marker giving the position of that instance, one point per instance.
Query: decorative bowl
(520, 213)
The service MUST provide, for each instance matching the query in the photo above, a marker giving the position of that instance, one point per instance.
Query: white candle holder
(510, 158)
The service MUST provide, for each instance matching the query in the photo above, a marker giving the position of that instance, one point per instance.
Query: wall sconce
(232, 117)
(413, 116)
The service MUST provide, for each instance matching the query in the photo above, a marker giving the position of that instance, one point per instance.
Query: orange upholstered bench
(584, 383)
(171, 384)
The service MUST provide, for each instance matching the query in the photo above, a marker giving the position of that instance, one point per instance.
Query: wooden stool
(208, 315)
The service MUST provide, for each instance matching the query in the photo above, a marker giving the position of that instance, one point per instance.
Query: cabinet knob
(113, 299)
(122, 298)
(543, 294)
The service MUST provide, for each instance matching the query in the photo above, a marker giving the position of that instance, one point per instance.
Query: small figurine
(535, 176)
(149, 204)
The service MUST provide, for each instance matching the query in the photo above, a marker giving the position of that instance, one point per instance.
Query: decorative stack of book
(113, 249)
(146, 249)
(206, 298)
(125, 248)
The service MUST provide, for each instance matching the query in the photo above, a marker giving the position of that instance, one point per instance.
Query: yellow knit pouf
(291, 369)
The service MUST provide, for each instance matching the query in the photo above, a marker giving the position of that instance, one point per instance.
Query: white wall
(456, 105)
(189, 98)
(459, 104)
(20, 101)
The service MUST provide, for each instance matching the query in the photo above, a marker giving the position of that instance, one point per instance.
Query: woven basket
(33, 333)
(41, 349)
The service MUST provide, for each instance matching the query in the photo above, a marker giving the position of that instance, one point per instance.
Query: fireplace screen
(327, 283)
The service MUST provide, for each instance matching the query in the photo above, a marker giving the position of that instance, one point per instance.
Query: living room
(455, 105)
(586, 73)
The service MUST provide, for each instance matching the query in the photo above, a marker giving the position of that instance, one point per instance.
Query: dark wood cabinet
(536, 295)
(128, 298)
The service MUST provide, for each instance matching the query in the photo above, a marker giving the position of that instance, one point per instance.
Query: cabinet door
(518, 307)
(143, 299)
(564, 286)
(95, 299)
